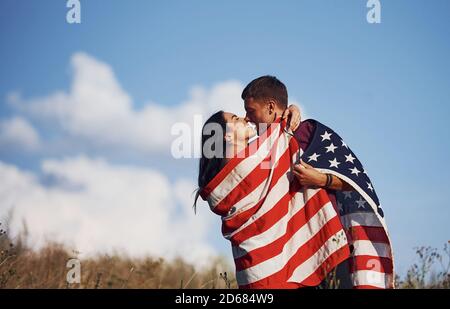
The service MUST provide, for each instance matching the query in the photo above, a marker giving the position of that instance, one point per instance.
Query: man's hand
(292, 112)
(308, 176)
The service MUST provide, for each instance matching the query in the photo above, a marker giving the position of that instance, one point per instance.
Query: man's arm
(310, 177)
(306, 174)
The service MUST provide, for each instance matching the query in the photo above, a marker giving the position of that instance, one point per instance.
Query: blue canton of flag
(371, 264)
(328, 151)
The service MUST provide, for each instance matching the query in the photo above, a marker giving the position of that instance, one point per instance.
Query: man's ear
(271, 104)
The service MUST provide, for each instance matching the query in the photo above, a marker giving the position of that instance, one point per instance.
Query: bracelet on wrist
(329, 181)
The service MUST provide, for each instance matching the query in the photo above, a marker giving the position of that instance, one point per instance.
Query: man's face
(257, 112)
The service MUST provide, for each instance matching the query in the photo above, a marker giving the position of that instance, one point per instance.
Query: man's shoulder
(307, 125)
(305, 132)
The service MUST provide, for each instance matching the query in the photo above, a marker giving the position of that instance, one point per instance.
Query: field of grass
(21, 267)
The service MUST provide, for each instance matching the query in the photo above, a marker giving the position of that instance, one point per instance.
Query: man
(265, 99)
(354, 199)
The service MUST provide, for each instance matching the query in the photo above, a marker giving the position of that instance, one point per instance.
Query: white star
(334, 163)
(326, 135)
(365, 171)
(331, 148)
(344, 144)
(347, 194)
(360, 202)
(340, 207)
(369, 186)
(349, 158)
(355, 171)
(313, 157)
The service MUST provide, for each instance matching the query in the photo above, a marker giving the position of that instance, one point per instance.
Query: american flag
(282, 235)
(371, 263)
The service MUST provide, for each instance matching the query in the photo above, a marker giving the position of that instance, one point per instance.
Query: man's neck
(263, 127)
(278, 113)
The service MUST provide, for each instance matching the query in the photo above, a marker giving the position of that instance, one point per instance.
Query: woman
(261, 205)
(235, 133)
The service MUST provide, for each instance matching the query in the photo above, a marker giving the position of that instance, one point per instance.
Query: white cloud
(18, 132)
(96, 207)
(99, 110)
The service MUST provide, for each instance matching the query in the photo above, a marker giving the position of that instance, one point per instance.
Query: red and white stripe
(371, 265)
(282, 236)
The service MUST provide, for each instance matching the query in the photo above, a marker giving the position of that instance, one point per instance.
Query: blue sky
(383, 87)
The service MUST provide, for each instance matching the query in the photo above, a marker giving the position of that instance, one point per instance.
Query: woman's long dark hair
(209, 165)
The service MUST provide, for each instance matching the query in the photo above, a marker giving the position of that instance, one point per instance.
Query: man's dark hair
(267, 87)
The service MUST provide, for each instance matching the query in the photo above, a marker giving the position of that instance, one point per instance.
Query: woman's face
(238, 128)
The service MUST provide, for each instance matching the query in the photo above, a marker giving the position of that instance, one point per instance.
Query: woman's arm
(309, 176)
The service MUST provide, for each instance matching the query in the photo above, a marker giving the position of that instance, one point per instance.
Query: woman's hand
(292, 112)
(308, 176)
